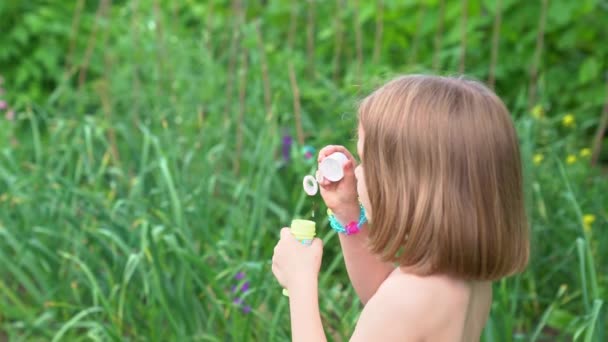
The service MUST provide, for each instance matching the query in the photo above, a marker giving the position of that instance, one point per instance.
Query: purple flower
(3, 104)
(286, 148)
(243, 288)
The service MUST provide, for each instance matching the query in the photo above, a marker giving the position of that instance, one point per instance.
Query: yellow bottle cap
(303, 228)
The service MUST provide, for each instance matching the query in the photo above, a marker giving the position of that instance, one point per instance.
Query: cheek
(359, 173)
(360, 182)
(359, 177)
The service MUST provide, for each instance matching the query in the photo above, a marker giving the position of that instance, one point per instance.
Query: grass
(123, 216)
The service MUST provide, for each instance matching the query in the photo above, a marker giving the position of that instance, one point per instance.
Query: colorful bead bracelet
(352, 227)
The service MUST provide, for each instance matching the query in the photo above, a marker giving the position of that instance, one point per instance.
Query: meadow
(151, 150)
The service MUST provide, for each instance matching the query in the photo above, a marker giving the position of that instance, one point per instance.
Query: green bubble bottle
(304, 231)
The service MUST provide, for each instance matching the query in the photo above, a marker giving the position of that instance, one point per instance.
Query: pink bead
(351, 228)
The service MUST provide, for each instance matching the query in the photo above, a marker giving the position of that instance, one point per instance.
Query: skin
(399, 305)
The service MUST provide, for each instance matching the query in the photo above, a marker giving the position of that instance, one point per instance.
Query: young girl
(440, 183)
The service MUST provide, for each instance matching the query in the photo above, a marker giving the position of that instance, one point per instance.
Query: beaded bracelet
(352, 227)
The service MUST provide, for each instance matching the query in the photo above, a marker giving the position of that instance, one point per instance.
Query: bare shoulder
(409, 307)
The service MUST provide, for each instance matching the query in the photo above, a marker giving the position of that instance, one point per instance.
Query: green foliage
(143, 169)
(34, 43)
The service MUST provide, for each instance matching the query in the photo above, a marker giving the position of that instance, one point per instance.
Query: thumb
(317, 243)
(349, 166)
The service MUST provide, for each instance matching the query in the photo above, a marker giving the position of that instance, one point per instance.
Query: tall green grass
(129, 204)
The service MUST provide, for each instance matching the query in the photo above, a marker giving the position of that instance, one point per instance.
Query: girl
(440, 183)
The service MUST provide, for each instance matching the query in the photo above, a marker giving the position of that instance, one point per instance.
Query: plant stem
(265, 75)
(339, 39)
(495, 41)
(296, 103)
(438, 36)
(101, 12)
(537, 55)
(310, 37)
(379, 31)
(293, 24)
(601, 130)
(463, 37)
(234, 51)
(358, 43)
(241, 117)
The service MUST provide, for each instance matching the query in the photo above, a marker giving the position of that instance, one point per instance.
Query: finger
(349, 165)
(319, 177)
(285, 233)
(317, 243)
(326, 182)
(327, 185)
(322, 181)
(327, 150)
(347, 153)
(349, 170)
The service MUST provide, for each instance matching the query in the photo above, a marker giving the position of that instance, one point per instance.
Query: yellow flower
(587, 222)
(538, 158)
(571, 159)
(585, 152)
(538, 112)
(568, 120)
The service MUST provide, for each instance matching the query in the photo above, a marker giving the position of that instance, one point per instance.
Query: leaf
(559, 319)
(20, 34)
(561, 13)
(580, 331)
(589, 70)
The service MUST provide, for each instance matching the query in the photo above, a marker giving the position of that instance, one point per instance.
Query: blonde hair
(443, 173)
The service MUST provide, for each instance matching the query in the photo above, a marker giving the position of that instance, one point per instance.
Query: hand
(341, 195)
(294, 263)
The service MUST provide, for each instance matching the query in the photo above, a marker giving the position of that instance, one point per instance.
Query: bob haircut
(443, 173)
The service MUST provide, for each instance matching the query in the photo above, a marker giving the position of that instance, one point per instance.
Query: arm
(305, 316)
(365, 269)
(296, 267)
